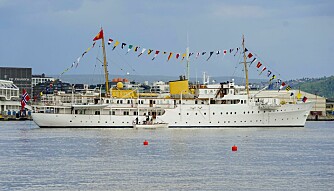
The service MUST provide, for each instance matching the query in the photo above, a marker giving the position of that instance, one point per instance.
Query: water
(175, 159)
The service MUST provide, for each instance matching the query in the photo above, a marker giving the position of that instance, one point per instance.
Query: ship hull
(188, 116)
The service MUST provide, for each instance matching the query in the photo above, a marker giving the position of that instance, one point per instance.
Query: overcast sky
(292, 38)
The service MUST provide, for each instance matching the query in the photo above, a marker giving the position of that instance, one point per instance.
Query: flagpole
(245, 64)
(105, 66)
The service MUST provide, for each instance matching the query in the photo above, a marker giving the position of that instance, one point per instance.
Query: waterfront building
(21, 77)
(9, 98)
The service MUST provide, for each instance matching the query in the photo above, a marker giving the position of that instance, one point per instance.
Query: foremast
(245, 64)
(105, 66)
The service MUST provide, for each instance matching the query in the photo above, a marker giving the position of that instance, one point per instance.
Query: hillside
(321, 86)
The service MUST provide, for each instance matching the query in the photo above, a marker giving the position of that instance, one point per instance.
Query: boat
(150, 125)
(202, 106)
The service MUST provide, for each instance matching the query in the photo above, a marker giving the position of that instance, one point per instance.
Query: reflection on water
(175, 159)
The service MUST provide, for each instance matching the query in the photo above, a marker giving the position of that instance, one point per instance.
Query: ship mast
(245, 64)
(105, 66)
(187, 57)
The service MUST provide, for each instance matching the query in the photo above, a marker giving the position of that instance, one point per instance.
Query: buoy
(145, 142)
(234, 148)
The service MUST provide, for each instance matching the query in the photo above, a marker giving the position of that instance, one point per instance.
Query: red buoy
(145, 142)
(234, 148)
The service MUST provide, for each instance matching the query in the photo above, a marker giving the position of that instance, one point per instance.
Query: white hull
(289, 115)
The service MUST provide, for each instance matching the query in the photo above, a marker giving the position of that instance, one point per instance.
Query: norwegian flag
(25, 98)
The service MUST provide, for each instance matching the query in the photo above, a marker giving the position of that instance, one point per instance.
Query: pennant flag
(130, 47)
(99, 35)
(231, 50)
(25, 98)
(177, 55)
(209, 56)
(263, 69)
(170, 55)
(269, 73)
(197, 55)
(236, 52)
(149, 51)
(191, 54)
(116, 44)
(291, 94)
(225, 51)
(250, 55)
(258, 65)
(83, 53)
(288, 88)
(282, 86)
(254, 59)
(184, 55)
(203, 53)
(156, 54)
(93, 44)
(78, 60)
(218, 52)
(272, 77)
(110, 41)
(142, 51)
(137, 47)
(246, 49)
(123, 45)
(304, 99)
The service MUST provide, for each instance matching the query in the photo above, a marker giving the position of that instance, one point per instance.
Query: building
(36, 79)
(51, 88)
(9, 98)
(21, 77)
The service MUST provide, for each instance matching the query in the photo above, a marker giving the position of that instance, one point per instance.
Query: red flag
(250, 55)
(99, 35)
(304, 99)
(258, 65)
(25, 98)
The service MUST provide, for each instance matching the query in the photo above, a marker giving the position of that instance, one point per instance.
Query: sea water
(300, 158)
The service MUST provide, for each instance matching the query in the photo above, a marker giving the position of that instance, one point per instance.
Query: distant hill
(321, 86)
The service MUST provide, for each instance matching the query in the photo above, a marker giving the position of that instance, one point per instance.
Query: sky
(292, 38)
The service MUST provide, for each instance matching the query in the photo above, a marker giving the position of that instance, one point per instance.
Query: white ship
(203, 106)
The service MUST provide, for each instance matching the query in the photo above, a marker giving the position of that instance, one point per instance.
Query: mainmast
(245, 63)
(188, 62)
(105, 66)
(187, 57)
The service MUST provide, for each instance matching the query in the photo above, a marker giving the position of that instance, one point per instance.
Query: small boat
(150, 125)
